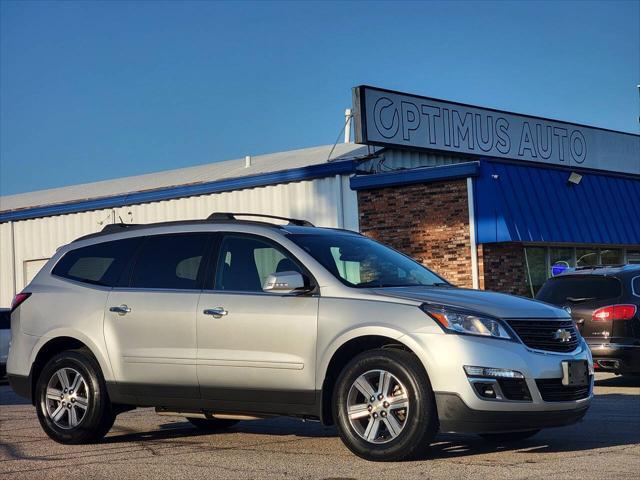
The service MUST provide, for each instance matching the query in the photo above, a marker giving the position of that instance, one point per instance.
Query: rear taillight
(614, 312)
(19, 300)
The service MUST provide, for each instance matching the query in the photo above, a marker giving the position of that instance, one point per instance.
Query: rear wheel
(384, 406)
(71, 399)
(212, 424)
(506, 437)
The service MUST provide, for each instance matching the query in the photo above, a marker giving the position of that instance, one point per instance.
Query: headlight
(459, 321)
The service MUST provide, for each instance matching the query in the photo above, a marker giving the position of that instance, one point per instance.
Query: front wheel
(384, 406)
(71, 399)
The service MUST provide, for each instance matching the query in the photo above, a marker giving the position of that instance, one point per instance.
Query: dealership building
(487, 198)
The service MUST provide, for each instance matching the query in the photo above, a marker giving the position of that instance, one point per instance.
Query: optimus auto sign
(394, 119)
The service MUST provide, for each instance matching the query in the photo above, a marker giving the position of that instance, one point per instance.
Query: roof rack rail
(231, 217)
(117, 227)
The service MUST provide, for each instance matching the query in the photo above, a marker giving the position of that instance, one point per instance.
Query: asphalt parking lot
(144, 445)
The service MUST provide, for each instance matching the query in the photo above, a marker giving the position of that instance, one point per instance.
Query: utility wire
(339, 135)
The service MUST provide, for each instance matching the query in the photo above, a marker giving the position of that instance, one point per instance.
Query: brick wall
(501, 268)
(429, 222)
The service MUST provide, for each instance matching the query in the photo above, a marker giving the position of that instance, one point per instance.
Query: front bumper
(616, 357)
(444, 356)
(456, 416)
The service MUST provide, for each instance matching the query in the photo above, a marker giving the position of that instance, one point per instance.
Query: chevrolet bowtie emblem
(563, 335)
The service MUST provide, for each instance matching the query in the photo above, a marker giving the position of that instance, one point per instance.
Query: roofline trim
(417, 175)
(169, 193)
(565, 168)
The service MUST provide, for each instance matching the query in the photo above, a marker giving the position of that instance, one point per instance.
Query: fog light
(489, 372)
(485, 390)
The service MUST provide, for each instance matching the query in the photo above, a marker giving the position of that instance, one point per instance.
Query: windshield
(363, 263)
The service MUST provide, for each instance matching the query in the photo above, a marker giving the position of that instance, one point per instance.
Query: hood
(494, 304)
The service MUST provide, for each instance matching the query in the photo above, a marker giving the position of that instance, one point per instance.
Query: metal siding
(181, 191)
(233, 174)
(535, 204)
(6, 265)
(349, 205)
(314, 200)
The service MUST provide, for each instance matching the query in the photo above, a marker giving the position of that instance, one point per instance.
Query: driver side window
(245, 262)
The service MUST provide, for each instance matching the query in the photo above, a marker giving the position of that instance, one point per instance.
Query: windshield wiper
(579, 299)
(441, 284)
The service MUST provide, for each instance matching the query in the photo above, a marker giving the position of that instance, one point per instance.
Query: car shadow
(8, 397)
(620, 411)
(279, 426)
(632, 381)
(613, 420)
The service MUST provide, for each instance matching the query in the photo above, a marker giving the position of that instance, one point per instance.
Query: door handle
(120, 310)
(217, 312)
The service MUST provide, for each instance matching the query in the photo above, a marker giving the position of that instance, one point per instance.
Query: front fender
(344, 337)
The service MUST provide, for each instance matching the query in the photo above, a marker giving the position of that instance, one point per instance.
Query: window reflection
(586, 257)
(543, 262)
(560, 260)
(536, 266)
(611, 257)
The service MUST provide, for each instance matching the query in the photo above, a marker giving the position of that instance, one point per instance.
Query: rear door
(582, 295)
(150, 321)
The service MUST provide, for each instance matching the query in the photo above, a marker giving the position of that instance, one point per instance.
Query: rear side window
(99, 264)
(170, 261)
(560, 291)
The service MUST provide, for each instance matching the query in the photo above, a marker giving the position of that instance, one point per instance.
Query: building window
(611, 257)
(587, 257)
(544, 262)
(560, 260)
(536, 265)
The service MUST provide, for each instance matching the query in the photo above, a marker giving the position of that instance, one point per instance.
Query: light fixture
(489, 372)
(574, 178)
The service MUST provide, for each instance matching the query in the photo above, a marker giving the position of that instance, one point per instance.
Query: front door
(259, 350)
(150, 323)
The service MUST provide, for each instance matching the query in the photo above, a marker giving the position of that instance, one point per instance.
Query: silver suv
(225, 319)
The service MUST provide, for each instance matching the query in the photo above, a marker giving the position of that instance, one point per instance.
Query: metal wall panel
(6, 265)
(518, 203)
(326, 202)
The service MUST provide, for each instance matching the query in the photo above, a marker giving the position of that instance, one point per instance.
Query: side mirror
(284, 282)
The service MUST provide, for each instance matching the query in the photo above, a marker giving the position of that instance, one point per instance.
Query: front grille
(545, 334)
(552, 390)
(514, 389)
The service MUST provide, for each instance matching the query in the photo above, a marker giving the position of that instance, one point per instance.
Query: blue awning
(516, 203)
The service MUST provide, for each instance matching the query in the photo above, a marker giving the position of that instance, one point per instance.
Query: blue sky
(91, 90)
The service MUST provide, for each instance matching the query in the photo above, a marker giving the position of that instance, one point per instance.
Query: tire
(402, 433)
(77, 424)
(509, 437)
(212, 424)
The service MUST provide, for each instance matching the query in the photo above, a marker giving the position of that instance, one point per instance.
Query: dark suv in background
(605, 304)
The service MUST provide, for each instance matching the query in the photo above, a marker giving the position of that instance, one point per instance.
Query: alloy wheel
(377, 406)
(67, 398)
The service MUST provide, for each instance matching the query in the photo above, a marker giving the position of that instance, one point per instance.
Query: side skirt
(220, 400)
